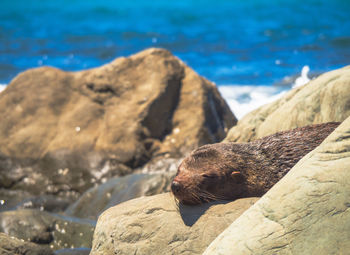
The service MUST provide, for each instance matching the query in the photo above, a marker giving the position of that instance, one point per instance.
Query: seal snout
(175, 187)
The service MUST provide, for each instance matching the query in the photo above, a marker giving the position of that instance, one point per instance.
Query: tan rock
(324, 99)
(93, 124)
(121, 109)
(155, 225)
(307, 212)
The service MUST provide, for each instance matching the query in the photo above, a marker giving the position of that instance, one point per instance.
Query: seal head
(198, 179)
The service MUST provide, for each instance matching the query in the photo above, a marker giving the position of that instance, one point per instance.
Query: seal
(227, 171)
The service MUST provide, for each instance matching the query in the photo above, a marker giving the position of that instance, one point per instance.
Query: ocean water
(248, 48)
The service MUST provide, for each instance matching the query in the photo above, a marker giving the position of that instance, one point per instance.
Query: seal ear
(237, 176)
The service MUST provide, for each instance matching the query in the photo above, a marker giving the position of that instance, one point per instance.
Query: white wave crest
(303, 78)
(2, 87)
(244, 99)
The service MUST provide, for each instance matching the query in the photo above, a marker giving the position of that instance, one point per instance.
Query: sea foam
(2, 87)
(243, 99)
(303, 78)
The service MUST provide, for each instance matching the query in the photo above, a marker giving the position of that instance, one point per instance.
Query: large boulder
(10, 245)
(307, 212)
(53, 230)
(68, 130)
(156, 225)
(324, 99)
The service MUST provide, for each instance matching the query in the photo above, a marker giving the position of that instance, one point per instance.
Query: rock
(10, 245)
(52, 230)
(119, 189)
(44, 202)
(155, 225)
(66, 131)
(307, 212)
(77, 251)
(11, 198)
(23, 179)
(324, 99)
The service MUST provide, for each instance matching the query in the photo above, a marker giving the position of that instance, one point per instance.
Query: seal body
(227, 171)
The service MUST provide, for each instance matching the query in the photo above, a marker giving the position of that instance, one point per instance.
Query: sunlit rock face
(157, 225)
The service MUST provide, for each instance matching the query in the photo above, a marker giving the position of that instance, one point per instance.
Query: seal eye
(237, 176)
(211, 176)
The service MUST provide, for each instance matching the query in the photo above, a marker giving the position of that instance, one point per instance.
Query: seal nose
(175, 187)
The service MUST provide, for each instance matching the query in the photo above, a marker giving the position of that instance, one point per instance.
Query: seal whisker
(205, 196)
(194, 194)
(196, 197)
(209, 196)
(215, 196)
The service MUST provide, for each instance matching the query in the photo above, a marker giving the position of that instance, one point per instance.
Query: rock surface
(325, 99)
(307, 212)
(67, 130)
(76, 251)
(119, 189)
(155, 225)
(52, 230)
(13, 246)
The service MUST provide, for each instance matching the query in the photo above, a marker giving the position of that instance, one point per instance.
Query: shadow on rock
(190, 214)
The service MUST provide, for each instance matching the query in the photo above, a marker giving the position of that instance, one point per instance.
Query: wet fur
(227, 171)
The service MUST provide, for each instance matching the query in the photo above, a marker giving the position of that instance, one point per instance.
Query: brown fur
(227, 171)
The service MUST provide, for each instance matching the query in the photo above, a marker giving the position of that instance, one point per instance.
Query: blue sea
(247, 47)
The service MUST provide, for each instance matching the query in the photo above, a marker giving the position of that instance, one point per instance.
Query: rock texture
(52, 230)
(68, 130)
(13, 246)
(307, 212)
(155, 225)
(119, 189)
(77, 251)
(324, 99)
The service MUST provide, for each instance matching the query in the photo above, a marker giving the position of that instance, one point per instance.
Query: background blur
(235, 43)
